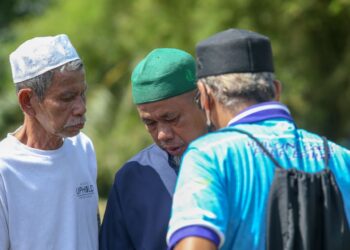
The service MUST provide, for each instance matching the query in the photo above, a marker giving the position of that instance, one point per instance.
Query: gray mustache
(75, 122)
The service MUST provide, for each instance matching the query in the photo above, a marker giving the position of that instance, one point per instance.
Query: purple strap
(195, 230)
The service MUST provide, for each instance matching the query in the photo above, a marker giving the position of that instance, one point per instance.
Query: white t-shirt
(48, 198)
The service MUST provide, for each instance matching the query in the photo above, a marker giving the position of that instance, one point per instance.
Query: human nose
(80, 106)
(165, 132)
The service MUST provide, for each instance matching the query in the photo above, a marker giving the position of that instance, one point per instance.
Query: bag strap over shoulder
(259, 144)
(326, 151)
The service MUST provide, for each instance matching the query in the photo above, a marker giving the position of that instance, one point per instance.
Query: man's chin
(70, 133)
(72, 130)
(175, 151)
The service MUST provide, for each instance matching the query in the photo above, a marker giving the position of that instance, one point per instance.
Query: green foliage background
(310, 38)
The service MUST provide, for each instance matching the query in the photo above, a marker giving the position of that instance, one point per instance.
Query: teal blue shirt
(225, 179)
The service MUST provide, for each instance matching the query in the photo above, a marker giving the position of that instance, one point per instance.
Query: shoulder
(81, 140)
(143, 161)
(6, 146)
(213, 140)
(8, 151)
(136, 181)
(340, 153)
(147, 158)
(149, 154)
(334, 147)
(141, 167)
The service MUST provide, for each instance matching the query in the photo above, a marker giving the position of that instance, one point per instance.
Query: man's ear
(25, 97)
(206, 98)
(278, 89)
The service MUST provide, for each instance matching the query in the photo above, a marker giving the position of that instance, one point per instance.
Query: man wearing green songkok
(139, 203)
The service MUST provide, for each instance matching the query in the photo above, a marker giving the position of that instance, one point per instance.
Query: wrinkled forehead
(68, 81)
(173, 103)
(158, 110)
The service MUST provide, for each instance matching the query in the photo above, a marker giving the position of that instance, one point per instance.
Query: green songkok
(162, 74)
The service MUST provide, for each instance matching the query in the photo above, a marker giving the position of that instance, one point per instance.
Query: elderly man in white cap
(48, 193)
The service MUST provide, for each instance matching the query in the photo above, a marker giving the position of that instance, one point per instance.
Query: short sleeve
(200, 194)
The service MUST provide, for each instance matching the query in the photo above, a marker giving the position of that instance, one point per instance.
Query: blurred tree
(14, 9)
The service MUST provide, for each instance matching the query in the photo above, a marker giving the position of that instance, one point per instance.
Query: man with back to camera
(48, 193)
(138, 207)
(226, 176)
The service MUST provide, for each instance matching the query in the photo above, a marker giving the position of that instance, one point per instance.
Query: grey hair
(41, 83)
(232, 90)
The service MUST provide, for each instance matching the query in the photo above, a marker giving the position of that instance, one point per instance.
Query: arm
(195, 243)
(199, 211)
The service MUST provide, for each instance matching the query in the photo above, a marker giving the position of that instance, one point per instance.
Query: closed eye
(148, 122)
(68, 98)
(173, 119)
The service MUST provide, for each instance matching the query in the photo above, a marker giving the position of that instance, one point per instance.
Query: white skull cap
(39, 55)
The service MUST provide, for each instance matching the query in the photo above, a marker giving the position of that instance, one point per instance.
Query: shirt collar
(260, 112)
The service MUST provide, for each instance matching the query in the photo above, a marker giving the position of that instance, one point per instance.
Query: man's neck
(33, 135)
(226, 115)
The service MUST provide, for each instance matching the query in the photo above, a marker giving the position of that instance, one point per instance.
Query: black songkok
(234, 51)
